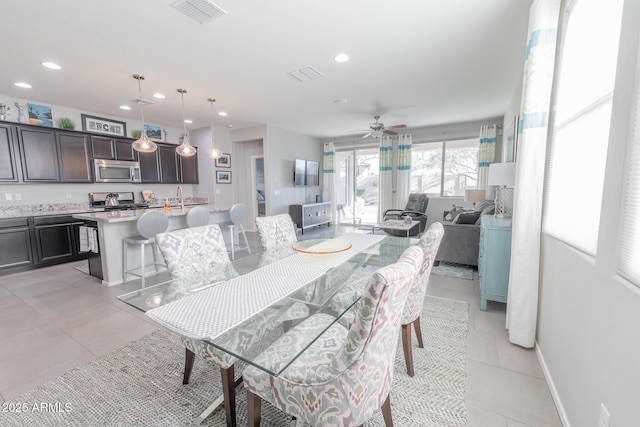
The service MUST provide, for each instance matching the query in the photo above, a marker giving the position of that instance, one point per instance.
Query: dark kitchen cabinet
(75, 156)
(39, 155)
(15, 244)
(168, 164)
(56, 239)
(113, 149)
(149, 167)
(189, 169)
(9, 161)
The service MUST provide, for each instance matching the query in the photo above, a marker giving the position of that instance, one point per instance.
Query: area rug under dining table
(141, 384)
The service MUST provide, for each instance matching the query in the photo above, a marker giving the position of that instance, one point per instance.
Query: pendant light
(142, 144)
(184, 149)
(213, 153)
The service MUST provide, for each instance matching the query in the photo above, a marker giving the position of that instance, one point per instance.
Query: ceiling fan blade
(389, 132)
(397, 127)
(366, 135)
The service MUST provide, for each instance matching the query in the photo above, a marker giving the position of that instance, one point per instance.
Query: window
(444, 168)
(628, 265)
(584, 93)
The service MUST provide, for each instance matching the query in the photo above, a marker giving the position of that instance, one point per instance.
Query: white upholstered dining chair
(276, 231)
(344, 376)
(429, 243)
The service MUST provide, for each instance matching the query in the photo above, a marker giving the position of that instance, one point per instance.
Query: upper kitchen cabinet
(75, 155)
(189, 169)
(9, 171)
(168, 164)
(39, 154)
(113, 149)
(149, 167)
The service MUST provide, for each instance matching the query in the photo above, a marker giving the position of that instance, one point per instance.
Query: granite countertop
(133, 215)
(16, 211)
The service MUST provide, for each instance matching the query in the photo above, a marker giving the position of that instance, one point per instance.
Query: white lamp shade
(502, 174)
(474, 195)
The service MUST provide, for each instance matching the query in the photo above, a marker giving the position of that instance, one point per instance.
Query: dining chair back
(198, 257)
(238, 213)
(276, 231)
(198, 216)
(344, 376)
(429, 243)
(148, 225)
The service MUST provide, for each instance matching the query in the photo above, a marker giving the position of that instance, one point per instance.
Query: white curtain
(486, 154)
(328, 175)
(522, 304)
(387, 198)
(403, 180)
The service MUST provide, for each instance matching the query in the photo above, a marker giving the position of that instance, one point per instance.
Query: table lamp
(503, 175)
(473, 195)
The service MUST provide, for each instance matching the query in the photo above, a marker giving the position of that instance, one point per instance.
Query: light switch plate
(18, 196)
(8, 196)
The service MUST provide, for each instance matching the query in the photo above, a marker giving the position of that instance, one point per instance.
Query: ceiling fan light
(377, 133)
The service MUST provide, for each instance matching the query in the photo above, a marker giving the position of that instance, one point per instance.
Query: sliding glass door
(357, 172)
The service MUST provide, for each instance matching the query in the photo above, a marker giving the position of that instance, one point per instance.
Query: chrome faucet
(180, 197)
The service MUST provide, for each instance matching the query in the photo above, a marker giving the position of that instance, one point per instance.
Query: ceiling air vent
(306, 74)
(201, 11)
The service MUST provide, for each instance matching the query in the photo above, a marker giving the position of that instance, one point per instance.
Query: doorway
(357, 172)
(258, 186)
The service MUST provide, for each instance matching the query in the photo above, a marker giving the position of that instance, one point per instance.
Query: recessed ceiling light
(23, 85)
(158, 95)
(188, 121)
(125, 107)
(229, 126)
(341, 57)
(51, 65)
(222, 113)
(340, 101)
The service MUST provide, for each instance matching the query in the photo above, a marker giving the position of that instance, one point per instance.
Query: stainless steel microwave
(116, 170)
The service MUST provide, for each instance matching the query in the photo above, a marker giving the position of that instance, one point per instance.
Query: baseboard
(552, 388)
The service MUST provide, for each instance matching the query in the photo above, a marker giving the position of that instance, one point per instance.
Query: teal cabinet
(494, 259)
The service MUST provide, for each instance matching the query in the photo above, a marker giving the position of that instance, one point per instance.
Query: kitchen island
(114, 226)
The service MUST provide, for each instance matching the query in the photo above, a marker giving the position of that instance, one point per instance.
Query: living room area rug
(141, 384)
(449, 269)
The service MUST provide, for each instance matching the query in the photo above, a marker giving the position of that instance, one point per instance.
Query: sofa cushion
(467, 217)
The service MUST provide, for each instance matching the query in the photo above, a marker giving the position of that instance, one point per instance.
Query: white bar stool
(149, 224)
(198, 216)
(238, 213)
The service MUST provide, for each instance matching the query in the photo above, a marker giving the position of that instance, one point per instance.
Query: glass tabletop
(335, 292)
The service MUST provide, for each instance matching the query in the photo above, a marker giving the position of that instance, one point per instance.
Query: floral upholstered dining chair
(345, 376)
(197, 257)
(276, 231)
(429, 243)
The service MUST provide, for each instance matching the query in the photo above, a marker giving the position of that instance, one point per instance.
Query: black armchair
(416, 208)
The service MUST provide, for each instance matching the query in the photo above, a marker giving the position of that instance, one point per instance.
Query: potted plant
(66, 123)
(4, 110)
(136, 133)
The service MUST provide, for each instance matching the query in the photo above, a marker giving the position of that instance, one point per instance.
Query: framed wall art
(40, 115)
(104, 126)
(153, 132)
(223, 177)
(224, 161)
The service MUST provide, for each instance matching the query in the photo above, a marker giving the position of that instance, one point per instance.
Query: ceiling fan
(378, 129)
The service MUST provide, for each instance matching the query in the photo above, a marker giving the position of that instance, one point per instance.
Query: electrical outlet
(604, 416)
(8, 196)
(68, 195)
(17, 196)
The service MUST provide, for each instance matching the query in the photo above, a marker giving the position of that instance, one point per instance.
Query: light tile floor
(57, 318)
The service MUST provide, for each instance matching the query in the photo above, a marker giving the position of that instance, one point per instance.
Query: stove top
(126, 201)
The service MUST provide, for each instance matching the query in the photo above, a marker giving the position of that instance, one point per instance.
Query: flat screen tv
(306, 173)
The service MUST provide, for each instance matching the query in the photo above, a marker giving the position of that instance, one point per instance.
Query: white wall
(588, 316)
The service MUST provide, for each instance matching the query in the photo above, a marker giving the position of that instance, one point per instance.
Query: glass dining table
(274, 291)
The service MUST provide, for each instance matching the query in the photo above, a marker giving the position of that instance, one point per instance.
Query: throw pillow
(453, 213)
(466, 217)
